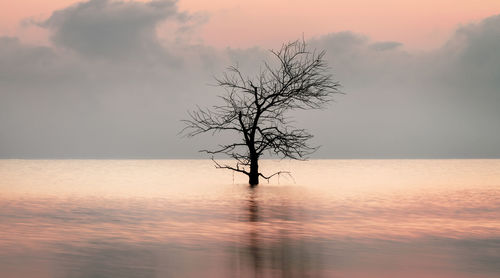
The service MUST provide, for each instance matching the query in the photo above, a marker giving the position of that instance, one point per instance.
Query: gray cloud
(441, 103)
(114, 29)
(381, 46)
(109, 87)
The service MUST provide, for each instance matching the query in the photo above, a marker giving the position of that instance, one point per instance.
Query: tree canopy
(255, 107)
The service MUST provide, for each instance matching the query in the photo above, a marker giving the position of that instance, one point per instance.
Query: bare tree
(255, 108)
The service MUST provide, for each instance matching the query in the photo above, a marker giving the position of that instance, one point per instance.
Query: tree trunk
(254, 172)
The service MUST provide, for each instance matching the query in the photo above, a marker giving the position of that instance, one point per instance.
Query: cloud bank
(110, 87)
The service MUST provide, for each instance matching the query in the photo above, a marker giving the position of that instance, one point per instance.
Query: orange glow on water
(351, 218)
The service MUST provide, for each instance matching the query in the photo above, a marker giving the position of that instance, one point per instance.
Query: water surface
(183, 218)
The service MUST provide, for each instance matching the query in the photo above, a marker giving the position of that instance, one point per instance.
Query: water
(180, 218)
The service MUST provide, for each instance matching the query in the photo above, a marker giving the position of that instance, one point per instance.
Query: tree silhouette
(256, 108)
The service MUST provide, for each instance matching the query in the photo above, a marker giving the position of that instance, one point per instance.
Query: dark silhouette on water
(262, 253)
(255, 108)
(254, 248)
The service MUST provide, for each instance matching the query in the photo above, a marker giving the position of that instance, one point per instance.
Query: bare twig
(256, 108)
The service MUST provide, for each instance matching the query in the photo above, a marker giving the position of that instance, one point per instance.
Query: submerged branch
(237, 169)
(278, 174)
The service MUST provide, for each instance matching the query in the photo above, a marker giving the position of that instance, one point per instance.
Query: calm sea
(184, 218)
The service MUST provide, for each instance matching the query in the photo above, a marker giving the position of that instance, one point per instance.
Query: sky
(114, 79)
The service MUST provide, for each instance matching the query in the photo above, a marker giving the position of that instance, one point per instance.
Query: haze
(113, 79)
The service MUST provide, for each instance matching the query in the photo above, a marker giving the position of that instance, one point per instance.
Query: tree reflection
(254, 246)
(273, 245)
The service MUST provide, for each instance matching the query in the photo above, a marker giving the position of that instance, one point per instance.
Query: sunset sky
(423, 24)
(103, 78)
